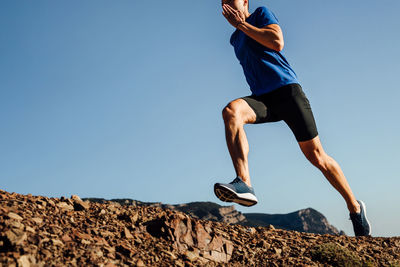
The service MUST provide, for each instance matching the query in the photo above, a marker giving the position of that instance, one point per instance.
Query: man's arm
(270, 36)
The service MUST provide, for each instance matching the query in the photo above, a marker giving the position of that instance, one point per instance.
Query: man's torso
(265, 69)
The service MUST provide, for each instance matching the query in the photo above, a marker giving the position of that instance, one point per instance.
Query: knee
(230, 113)
(317, 158)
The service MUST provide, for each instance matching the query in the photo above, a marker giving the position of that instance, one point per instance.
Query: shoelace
(236, 181)
(357, 218)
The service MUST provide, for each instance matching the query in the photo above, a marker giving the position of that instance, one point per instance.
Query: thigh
(263, 111)
(298, 115)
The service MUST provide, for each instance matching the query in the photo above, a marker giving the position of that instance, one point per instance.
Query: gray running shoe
(236, 191)
(361, 225)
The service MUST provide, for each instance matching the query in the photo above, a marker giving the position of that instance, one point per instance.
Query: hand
(234, 16)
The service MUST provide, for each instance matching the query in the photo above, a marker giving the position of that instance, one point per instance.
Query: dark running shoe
(236, 191)
(361, 225)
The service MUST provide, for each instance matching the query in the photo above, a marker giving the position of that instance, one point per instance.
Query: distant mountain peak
(306, 220)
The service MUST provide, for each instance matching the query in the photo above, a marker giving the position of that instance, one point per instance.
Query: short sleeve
(265, 17)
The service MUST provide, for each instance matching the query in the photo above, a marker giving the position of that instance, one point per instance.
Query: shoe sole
(365, 215)
(228, 195)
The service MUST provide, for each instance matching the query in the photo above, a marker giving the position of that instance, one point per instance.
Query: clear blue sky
(123, 99)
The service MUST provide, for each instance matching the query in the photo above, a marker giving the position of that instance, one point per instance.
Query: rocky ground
(42, 231)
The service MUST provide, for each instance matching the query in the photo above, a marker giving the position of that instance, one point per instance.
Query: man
(276, 95)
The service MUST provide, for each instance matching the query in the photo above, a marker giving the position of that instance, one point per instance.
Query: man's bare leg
(236, 114)
(314, 152)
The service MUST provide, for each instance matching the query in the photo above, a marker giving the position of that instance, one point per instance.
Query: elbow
(279, 45)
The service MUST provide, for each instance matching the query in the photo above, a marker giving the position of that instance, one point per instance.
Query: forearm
(267, 37)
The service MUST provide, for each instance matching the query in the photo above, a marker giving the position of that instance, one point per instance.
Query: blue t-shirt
(265, 69)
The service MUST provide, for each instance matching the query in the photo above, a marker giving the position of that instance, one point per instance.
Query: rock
(66, 238)
(55, 229)
(15, 236)
(29, 229)
(51, 202)
(191, 256)
(75, 198)
(278, 251)
(41, 203)
(37, 220)
(57, 242)
(185, 234)
(44, 240)
(85, 242)
(15, 224)
(179, 263)
(80, 235)
(24, 261)
(170, 254)
(140, 263)
(251, 230)
(14, 216)
(127, 233)
(78, 204)
(64, 206)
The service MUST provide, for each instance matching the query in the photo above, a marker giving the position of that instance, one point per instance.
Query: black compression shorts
(287, 103)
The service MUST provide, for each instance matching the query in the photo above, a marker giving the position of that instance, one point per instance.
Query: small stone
(76, 197)
(79, 205)
(309, 237)
(37, 220)
(96, 253)
(191, 255)
(140, 263)
(16, 236)
(16, 224)
(251, 230)
(135, 217)
(44, 240)
(51, 202)
(29, 229)
(82, 235)
(55, 229)
(65, 206)
(14, 216)
(57, 242)
(127, 233)
(66, 238)
(179, 263)
(23, 261)
(172, 256)
(278, 251)
(41, 203)
(85, 242)
(47, 253)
